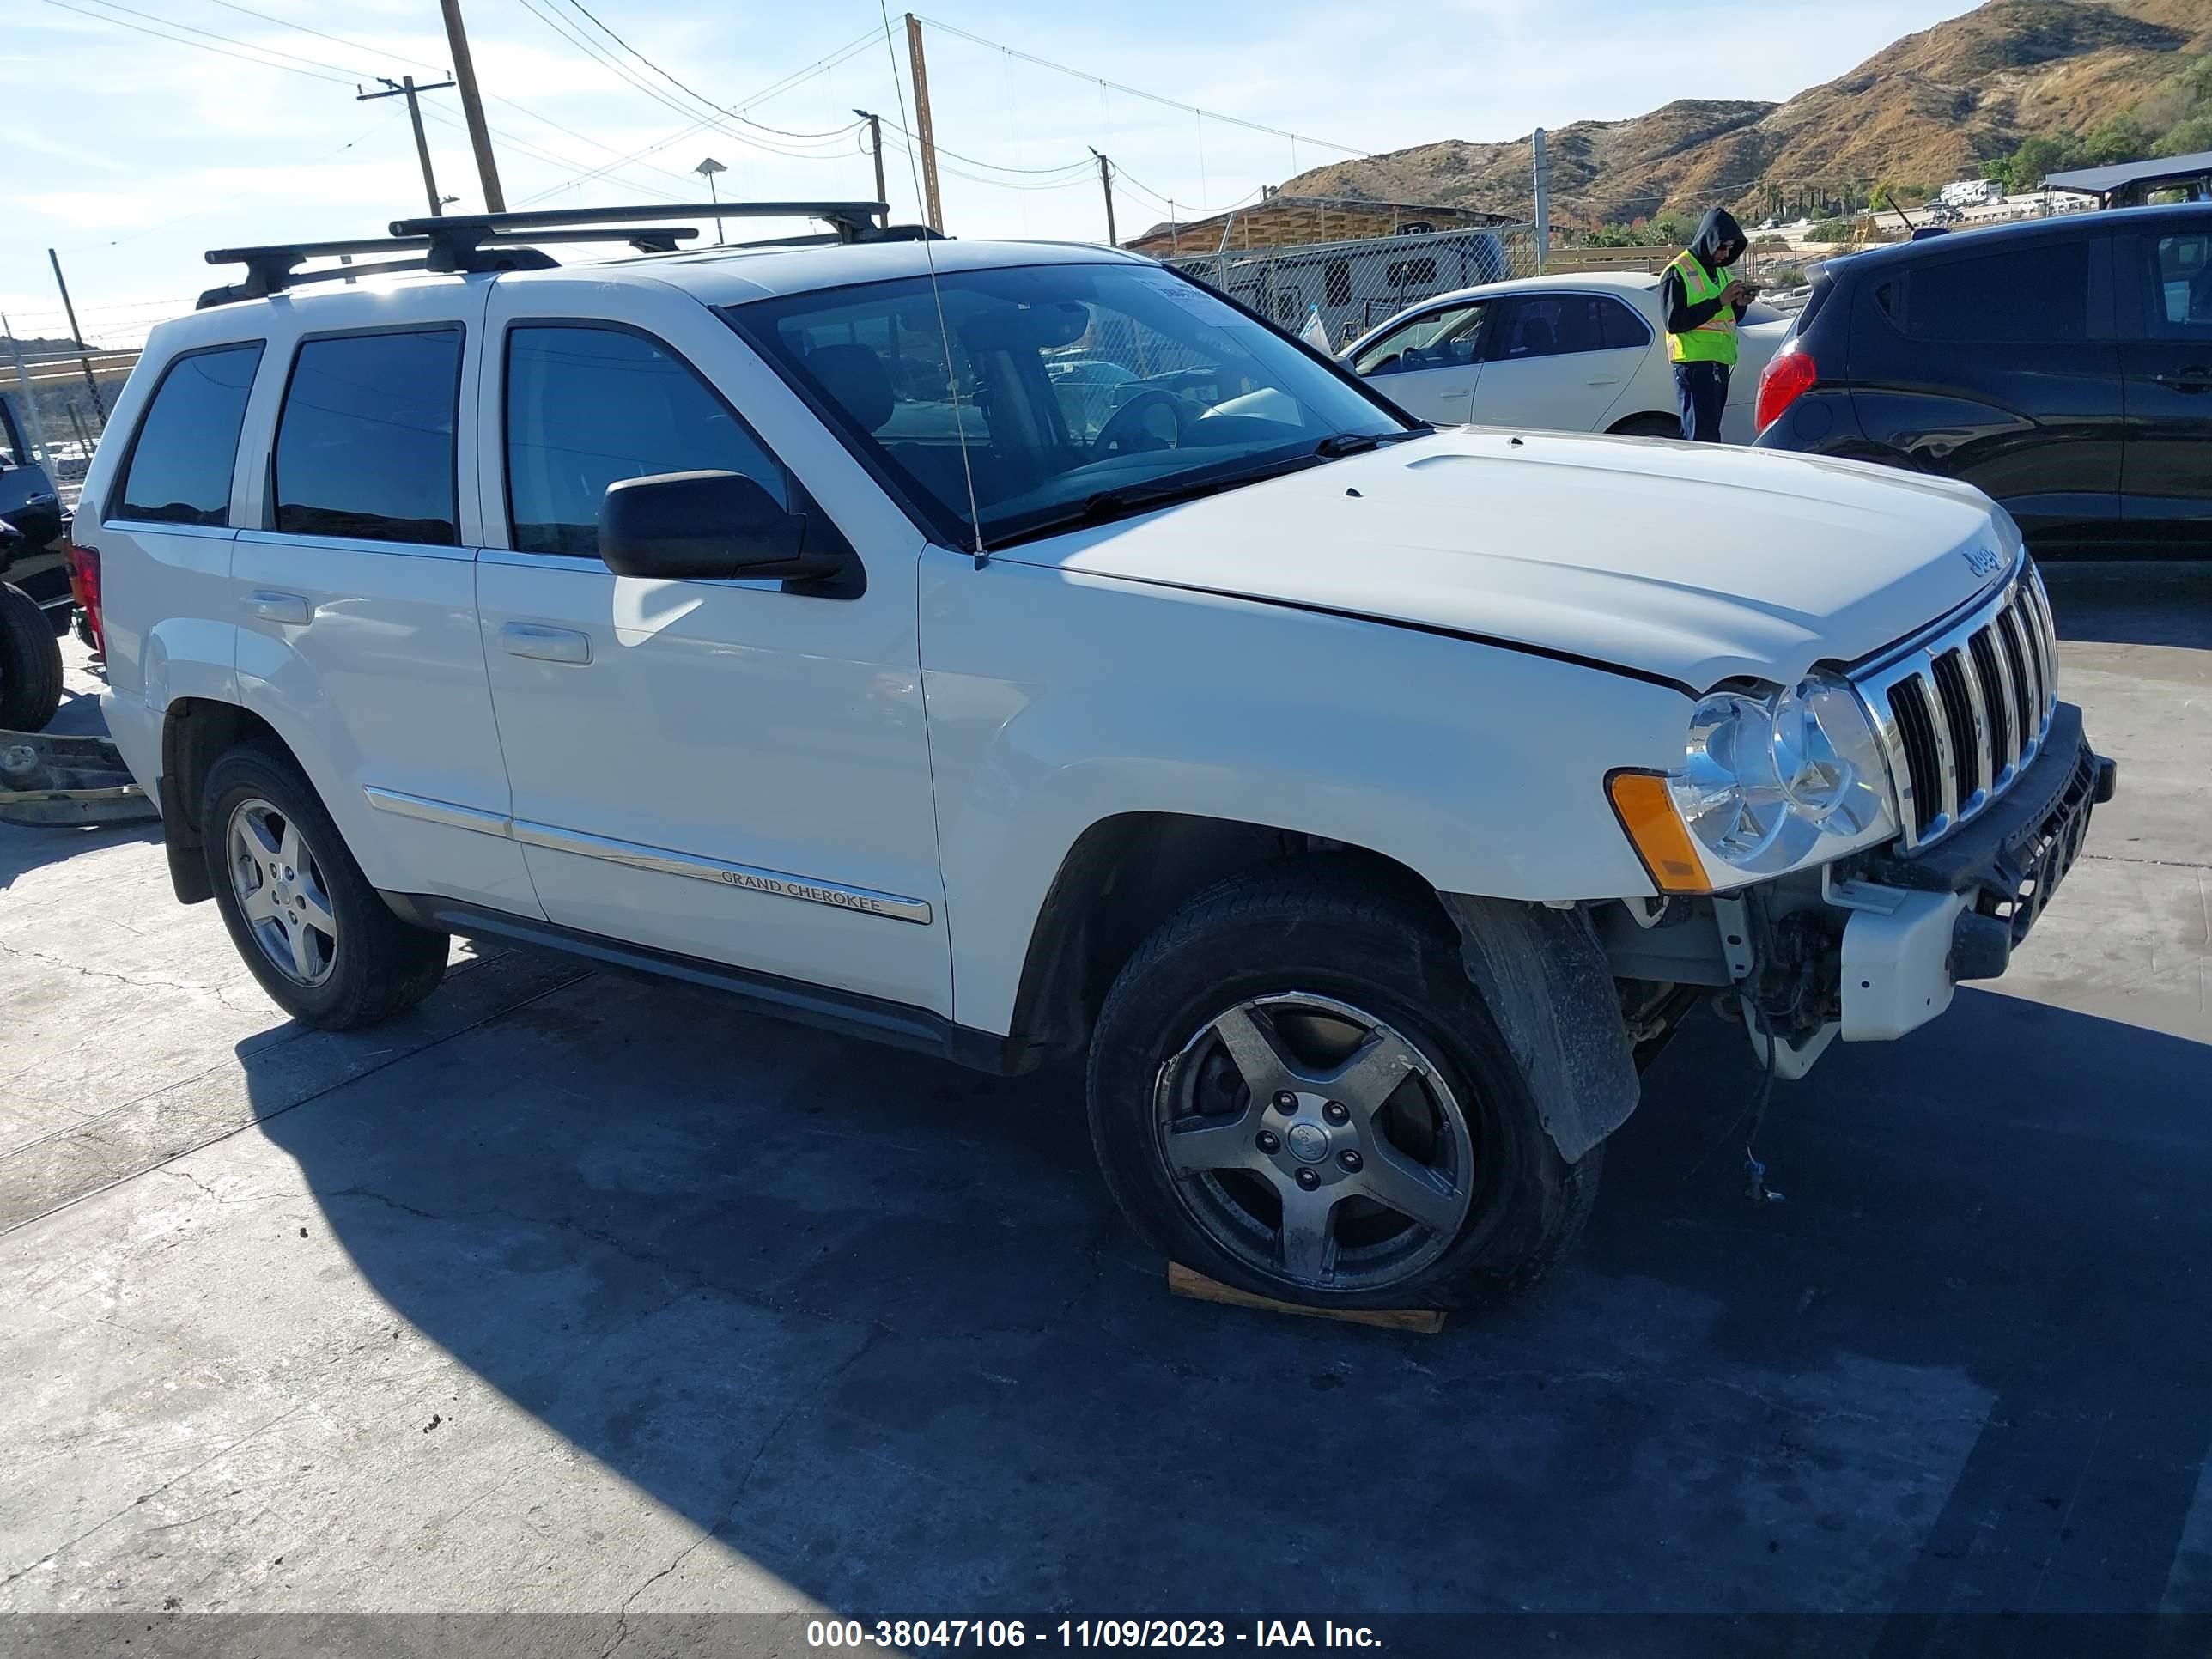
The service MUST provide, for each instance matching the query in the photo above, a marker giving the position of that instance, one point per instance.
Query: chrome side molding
(779, 883)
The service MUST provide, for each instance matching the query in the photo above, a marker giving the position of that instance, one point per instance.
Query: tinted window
(1548, 327)
(181, 465)
(1623, 328)
(364, 445)
(1336, 282)
(587, 406)
(2026, 295)
(2180, 291)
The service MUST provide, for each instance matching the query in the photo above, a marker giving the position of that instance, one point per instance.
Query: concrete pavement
(567, 1293)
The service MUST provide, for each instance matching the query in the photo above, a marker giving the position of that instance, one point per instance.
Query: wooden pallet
(1183, 1281)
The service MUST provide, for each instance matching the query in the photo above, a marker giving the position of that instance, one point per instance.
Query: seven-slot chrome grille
(1963, 710)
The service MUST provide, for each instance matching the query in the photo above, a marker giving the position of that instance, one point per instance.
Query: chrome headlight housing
(1768, 784)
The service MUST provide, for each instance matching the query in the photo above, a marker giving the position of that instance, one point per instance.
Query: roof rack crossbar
(503, 241)
(852, 220)
(253, 287)
(299, 251)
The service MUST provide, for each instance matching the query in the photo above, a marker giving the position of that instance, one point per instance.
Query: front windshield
(1067, 380)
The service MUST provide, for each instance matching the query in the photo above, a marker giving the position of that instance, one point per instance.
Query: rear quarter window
(2038, 295)
(180, 462)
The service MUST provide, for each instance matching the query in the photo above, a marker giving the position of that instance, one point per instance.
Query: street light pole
(706, 170)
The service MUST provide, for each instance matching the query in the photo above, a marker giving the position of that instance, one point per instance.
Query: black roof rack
(506, 241)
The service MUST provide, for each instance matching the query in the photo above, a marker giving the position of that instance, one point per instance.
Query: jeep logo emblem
(1983, 561)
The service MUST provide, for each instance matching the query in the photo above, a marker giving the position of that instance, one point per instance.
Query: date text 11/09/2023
(924, 1634)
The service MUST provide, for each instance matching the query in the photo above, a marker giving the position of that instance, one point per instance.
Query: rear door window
(187, 446)
(2032, 296)
(365, 443)
(588, 406)
(1548, 326)
(2178, 277)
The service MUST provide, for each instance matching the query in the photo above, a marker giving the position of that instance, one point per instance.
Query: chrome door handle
(277, 607)
(2190, 380)
(546, 644)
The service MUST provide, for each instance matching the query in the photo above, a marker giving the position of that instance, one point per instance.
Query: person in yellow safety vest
(1702, 308)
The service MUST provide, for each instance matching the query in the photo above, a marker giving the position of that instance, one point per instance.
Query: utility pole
(405, 87)
(1106, 184)
(1543, 203)
(925, 133)
(464, 74)
(876, 149)
(76, 337)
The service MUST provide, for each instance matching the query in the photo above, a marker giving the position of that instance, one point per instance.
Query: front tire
(1295, 1090)
(325, 947)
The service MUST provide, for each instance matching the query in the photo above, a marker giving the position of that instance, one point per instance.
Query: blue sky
(131, 155)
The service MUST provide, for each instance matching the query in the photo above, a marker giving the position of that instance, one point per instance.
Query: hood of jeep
(1696, 563)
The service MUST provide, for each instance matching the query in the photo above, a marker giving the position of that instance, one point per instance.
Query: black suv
(2064, 365)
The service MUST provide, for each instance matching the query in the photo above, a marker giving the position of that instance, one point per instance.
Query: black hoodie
(1718, 233)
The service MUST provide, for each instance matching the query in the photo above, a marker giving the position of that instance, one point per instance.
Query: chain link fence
(1352, 286)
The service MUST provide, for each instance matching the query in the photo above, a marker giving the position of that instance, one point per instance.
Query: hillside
(1926, 109)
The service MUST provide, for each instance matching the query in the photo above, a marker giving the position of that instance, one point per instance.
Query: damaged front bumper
(1922, 924)
(1873, 947)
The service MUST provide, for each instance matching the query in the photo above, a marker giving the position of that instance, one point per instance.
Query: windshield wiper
(1340, 443)
(1104, 506)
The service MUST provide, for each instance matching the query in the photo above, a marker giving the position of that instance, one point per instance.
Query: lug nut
(1286, 1102)
(1335, 1112)
(1267, 1142)
(1350, 1161)
(1309, 1180)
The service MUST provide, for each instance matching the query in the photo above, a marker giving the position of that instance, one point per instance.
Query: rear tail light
(84, 583)
(1789, 375)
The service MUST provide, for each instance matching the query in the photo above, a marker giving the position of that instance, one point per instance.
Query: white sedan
(1584, 353)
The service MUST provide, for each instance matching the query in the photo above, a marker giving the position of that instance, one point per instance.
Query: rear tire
(1649, 426)
(1411, 1168)
(324, 945)
(30, 663)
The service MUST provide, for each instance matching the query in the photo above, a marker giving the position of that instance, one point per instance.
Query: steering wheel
(1128, 432)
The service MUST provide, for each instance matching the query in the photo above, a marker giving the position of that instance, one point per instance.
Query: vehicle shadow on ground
(23, 849)
(871, 1321)
(2132, 601)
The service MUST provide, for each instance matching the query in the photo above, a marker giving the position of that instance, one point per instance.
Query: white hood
(1697, 563)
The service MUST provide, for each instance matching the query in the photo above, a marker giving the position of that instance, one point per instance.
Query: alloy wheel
(1317, 1143)
(282, 893)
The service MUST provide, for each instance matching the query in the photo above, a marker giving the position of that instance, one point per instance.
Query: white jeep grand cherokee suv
(1368, 802)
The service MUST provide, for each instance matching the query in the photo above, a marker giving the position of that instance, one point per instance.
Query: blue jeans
(1702, 391)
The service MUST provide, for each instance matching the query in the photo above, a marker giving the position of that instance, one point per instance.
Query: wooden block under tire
(1185, 1281)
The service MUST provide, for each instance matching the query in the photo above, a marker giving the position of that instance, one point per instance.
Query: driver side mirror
(717, 526)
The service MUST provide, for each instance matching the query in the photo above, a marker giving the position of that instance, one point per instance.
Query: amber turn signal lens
(1657, 832)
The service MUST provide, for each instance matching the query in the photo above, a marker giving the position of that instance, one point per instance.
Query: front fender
(1057, 699)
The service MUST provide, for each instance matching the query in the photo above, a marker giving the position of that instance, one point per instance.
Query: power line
(577, 5)
(775, 89)
(615, 67)
(251, 46)
(1139, 92)
(378, 51)
(140, 29)
(335, 39)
